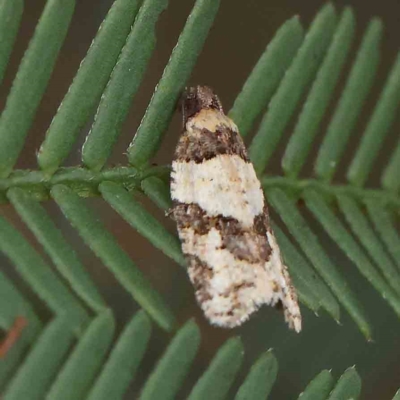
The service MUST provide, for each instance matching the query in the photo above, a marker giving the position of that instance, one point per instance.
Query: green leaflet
(377, 128)
(260, 379)
(336, 230)
(357, 86)
(31, 80)
(104, 245)
(42, 279)
(49, 352)
(310, 245)
(216, 381)
(169, 373)
(347, 387)
(142, 220)
(319, 96)
(362, 229)
(310, 287)
(383, 224)
(154, 123)
(61, 253)
(297, 75)
(319, 387)
(77, 374)
(10, 16)
(273, 63)
(122, 86)
(295, 81)
(124, 360)
(86, 89)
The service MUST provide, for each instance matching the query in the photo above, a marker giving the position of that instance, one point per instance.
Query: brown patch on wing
(205, 145)
(249, 245)
(200, 275)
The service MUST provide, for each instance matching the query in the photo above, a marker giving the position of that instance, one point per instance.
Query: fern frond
(353, 96)
(61, 253)
(87, 87)
(73, 345)
(124, 360)
(319, 96)
(378, 126)
(122, 86)
(162, 105)
(77, 377)
(308, 284)
(310, 245)
(104, 245)
(320, 194)
(31, 80)
(125, 204)
(42, 279)
(295, 81)
(348, 244)
(257, 90)
(362, 230)
(48, 352)
(87, 356)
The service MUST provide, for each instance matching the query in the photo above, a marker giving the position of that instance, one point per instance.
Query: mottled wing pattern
(234, 260)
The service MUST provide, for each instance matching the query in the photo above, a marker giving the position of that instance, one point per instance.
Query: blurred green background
(239, 36)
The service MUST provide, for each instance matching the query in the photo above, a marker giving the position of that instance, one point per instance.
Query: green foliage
(134, 213)
(31, 80)
(76, 375)
(353, 96)
(347, 387)
(319, 388)
(174, 365)
(104, 245)
(260, 378)
(122, 86)
(298, 75)
(87, 87)
(124, 360)
(75, 350)
(76, 378)
(10, 17)
(162, 105)
(217, 379)
(319, 96)
(257, 91)
(397, 395)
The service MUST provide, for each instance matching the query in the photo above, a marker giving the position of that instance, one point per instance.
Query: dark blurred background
(241, 31)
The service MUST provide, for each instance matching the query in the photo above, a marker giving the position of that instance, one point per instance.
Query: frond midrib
(331, 190)
(85, 183)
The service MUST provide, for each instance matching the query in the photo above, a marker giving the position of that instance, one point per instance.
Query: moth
(234, 261)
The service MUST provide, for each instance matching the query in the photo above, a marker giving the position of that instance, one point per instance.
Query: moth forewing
(234, 261)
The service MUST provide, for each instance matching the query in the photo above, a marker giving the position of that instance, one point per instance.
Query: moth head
(197, 98)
